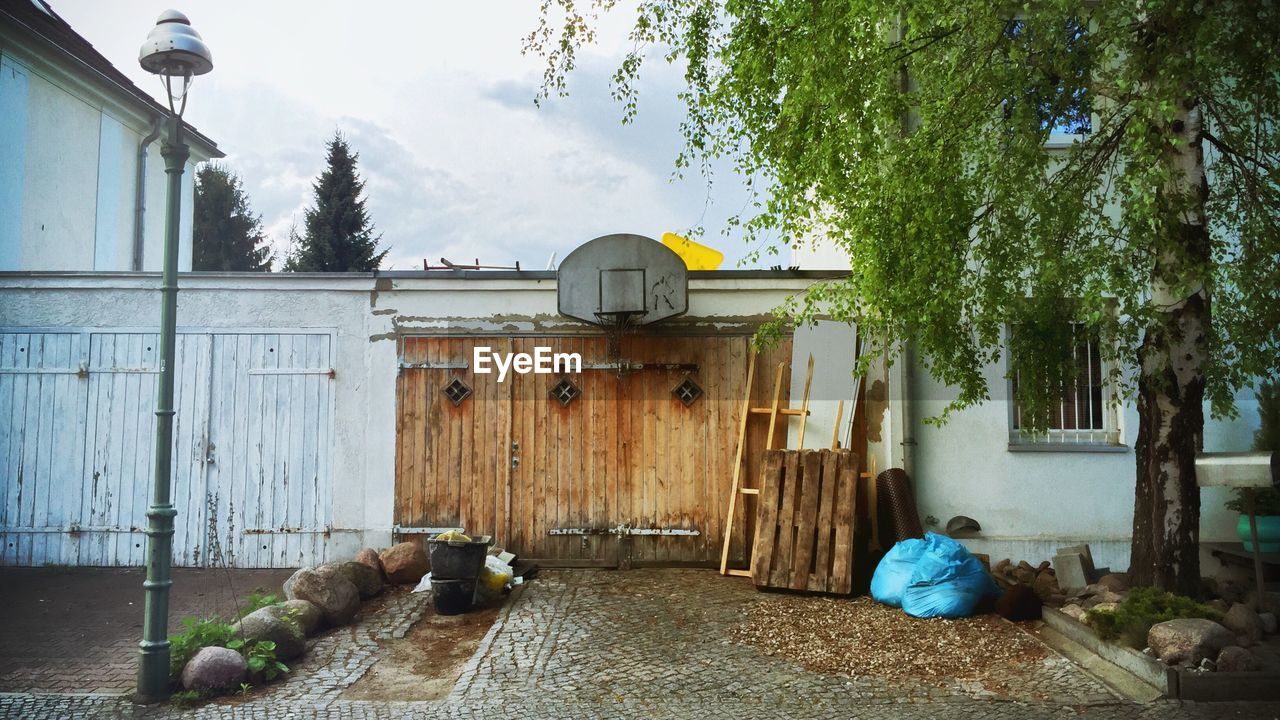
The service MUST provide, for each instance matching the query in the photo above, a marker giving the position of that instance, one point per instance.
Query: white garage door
(251, 478)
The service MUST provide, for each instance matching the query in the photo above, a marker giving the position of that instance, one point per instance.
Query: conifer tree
(337, 232)
(225, 234)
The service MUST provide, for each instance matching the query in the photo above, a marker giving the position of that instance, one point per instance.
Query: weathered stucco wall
(1030, 503)
(366, 315)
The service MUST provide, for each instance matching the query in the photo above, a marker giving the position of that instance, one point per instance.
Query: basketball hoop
(615, 325)
(622, 282)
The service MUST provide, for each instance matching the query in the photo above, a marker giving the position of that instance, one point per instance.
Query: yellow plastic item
(696, 256)
(453, 536)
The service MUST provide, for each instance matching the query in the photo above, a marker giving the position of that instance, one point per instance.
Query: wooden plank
(762, 554)
(780, 574)
(777, 399)
(734, 572)
(804, 404)
(807, 516)
(821, 577)
(835, 428)
(737, 463)
(842, 570)
(793, 412)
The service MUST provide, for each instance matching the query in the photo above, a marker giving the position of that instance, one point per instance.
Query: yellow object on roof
(696, 256)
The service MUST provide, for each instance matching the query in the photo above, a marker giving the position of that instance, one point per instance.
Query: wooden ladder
(773, 411)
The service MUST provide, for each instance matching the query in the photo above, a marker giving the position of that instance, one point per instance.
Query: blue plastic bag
(947, 581)
(893, 574)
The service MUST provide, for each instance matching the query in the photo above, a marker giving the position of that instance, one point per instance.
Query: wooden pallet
(805, 521)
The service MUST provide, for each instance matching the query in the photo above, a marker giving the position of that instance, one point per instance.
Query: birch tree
(914, 133)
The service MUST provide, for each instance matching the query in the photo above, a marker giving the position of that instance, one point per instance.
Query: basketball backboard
(622, 278)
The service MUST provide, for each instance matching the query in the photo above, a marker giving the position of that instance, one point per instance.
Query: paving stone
(643, 643)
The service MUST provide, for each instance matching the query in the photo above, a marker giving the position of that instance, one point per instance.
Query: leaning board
(805, 518)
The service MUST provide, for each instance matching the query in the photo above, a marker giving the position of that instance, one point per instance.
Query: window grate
(687, 391)
(457, 391)
(1082, 416)
(565, 392)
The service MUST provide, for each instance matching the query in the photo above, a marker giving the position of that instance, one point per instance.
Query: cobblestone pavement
(644, 643)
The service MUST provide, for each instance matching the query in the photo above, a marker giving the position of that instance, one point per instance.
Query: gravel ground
(862, 638)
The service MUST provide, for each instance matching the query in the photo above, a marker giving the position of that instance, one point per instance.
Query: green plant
(245, 688)
(257, 600)
(1142, 608)
(260, 656)
(187, 698)
(198, 634)
(1266, 501)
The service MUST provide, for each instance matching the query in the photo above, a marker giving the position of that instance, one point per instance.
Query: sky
(438, 101)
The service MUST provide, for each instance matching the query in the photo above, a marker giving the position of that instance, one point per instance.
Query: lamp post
(174, 51)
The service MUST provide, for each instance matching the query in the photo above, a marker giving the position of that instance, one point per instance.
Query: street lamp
(174, 51)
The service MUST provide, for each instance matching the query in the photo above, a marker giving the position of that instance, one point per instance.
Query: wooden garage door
(559, 482)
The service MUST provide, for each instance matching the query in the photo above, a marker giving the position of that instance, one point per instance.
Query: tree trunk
(1165, 548)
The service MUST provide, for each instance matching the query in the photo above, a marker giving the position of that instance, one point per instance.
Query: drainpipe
(140, 195)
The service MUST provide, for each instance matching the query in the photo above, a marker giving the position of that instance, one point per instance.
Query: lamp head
(173, 48)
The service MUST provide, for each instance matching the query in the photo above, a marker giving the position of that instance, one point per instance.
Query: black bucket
(457, 560)
(453, 597)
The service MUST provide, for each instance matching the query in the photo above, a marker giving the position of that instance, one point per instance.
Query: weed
(1143, 607)
(260, 656)
(198, 634)
(257, 600)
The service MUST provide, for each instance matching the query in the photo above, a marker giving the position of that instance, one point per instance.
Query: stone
(1001, 568)
(337, 598)
(369, 556)
(1024, 573)
(214, 668)
(1188, 640)
(1268, 622)
(1073, 611)
(287, 587)
(1057, 600)
(1072, 570)
(1237, 659)
(273, 623)
(367, 580)
(307, 615)
(1044, 565)
(1019, 603)
(405, 563)
(1106, 597)
(1222, 606)
(1115, 582)
(1244, 622)
(1045, 585)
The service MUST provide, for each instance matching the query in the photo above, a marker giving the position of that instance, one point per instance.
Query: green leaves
(913, 136)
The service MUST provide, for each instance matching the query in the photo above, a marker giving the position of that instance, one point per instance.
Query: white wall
(366, 316)
(68, 168)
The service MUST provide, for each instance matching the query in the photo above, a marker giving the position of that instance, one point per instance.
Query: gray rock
(1237, 659)
(1188, 640)
(274, 623)
(214, 668)
(366, 579)
(1046, 585)
(405, 563)
(1268, 622)
(1073, 611)
(1243, 621)
(306, 614)
(1106, 597)
(287, 587)
(1220, 605)
(336, 597)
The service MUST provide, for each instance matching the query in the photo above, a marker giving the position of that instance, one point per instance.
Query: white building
(82, 183)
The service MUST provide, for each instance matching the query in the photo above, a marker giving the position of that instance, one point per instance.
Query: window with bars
(1085, 415)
